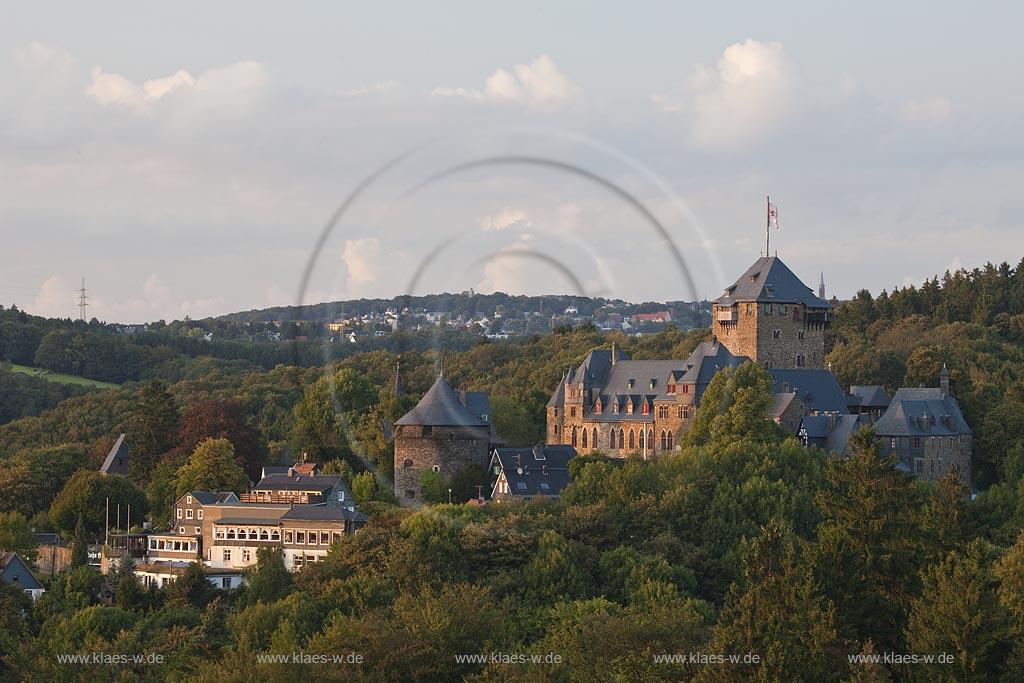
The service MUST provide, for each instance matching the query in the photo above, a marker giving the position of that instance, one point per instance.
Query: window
(671, 440)
(686, 388)
(181, 530)
(407, 463)
(629, 408)
(680, 412)
(917, 442)
(671, 391)
(299, 560)
(300, 537)
(801, 360)
(188, 500)
(436, 468)
(584, 438)
(521, 485)
(594, 440)
(782, 309)
(225, 582)
(892, 443)
(428, 430)
(686, 411)
(188, 513)
(227, 555)
(572, 411)
(767, 309)
(199, 529)
(574, 437)
(597, 407)
(556, 430)
(312, 538)
(800, 334)
(776, 334)
(180, 513)
(750, 309)
(246, 555)
(643, 441)
(662, 412)
(646, 409)
(325, 538)
(336, 536)
(199, 513)
(410, 494)
(632, 440)
(615, 408)
(544, 486)
(288, 536)
(611, 439)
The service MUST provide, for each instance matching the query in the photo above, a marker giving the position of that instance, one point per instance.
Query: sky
(194, 159)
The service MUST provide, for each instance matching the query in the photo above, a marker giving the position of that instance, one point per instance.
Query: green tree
(268, 580)
(211, 467)
(152, 430)
(191, 587)
(16, 534)
(733, 408)
(870, 543)
(79, 546)
(959, 612)
(85, 496)
(434, 487)
(364, 487)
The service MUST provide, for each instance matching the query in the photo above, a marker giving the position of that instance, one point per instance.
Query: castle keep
(445, 432)
(773, 318)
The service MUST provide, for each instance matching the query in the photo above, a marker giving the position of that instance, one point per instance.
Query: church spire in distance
(821, 286)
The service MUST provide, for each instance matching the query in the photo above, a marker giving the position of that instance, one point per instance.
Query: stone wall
(446, 449)
(753, 335)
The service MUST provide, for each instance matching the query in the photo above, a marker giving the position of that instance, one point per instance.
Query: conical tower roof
(441, 406)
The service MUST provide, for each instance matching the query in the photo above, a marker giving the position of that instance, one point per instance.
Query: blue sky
(185, 158)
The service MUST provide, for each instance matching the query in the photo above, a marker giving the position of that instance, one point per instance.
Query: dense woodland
(743, 542)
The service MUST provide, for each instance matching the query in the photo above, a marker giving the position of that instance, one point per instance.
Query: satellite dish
(519, 470)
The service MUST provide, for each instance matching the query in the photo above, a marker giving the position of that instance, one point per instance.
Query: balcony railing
(297, 498)
(727, 315)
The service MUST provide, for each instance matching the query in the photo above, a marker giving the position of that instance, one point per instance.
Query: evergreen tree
(153, 429)
(79, 546)
(870, 543)
(959, 613)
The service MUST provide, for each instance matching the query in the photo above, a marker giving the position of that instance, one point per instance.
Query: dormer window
(615, 408)
(651, 385)
(671, 390)
(629, 408)
(597, 406)
(647, 408)
(630, 383)
(769, 290)
(686, 388)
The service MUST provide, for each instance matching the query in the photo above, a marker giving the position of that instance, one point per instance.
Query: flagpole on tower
(767, 225)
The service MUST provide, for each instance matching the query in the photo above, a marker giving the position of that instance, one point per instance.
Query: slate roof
(11, 566)
(868, 396)
(819, 389)
(780, 404)
(912, 410)
(441, 406)
(321, 483)
(527, 473)
(769, 280)
(706, 360)
(213, 497)
(324, 512)
(829, 433)
(118, 452)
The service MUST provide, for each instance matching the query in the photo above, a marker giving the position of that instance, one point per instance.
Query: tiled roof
(769, 280)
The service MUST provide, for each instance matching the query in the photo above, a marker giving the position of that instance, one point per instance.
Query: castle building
(445, 432)
(619, 406)
(773, 318)
(925, 429)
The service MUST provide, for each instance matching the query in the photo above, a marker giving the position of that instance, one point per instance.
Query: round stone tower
(445, 432)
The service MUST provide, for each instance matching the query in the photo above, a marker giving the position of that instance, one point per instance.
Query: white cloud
(361, 258)
(931, 111)
(505, 218)
(231, 81)
(55, 299)
(746, 97)
(538, 83)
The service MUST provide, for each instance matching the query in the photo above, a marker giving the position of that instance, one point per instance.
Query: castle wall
(449, 449)
(752, 334)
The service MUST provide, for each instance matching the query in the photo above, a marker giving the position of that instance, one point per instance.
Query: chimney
(291, 472)
(944, 381)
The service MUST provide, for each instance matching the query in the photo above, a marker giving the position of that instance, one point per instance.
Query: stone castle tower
(446, 431)
(773, 318)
